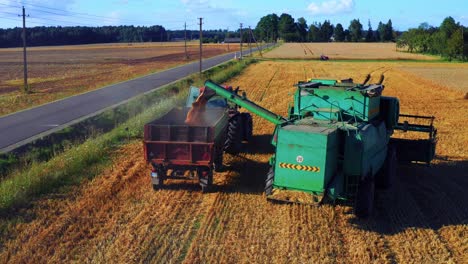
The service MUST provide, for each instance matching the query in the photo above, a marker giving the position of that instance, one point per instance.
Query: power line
(30, 22)
(10, 18)
(85, 15)
(8, 13)
(63, 21)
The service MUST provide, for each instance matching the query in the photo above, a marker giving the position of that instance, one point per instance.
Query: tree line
(48, 36)
(273, 27)
(450, 39)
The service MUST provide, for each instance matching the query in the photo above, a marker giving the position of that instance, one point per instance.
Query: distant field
(344, 51)
(453, 75)
(58, 72)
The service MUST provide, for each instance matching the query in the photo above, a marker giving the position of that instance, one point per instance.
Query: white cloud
(331, 7)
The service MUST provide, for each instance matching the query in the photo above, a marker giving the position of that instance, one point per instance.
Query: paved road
(19, 128)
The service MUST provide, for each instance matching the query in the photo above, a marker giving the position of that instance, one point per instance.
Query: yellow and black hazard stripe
(298, 167)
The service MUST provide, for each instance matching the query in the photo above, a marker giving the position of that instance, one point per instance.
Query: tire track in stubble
(60, 222)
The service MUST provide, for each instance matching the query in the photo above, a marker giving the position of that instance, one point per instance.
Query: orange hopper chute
(195, 114)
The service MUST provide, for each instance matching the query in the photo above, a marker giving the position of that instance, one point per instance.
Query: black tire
(218, 158)
(269, 182)
(158, 182)
(388, 173)
(205, 177)
(233, 143)
(365, 197)
(248, 126)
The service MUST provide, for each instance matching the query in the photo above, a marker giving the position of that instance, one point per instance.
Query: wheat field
(344, 51)
(118, 218)
(56, 72)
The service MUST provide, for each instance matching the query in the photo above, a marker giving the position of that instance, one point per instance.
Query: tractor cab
(215, 101)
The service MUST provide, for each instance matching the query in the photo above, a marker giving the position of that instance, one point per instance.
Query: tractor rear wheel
(233, 142)
(365, 197)
(269, 182)
(388, 173)
(248, 126)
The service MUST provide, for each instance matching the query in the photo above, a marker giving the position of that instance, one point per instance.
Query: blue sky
(228, 13)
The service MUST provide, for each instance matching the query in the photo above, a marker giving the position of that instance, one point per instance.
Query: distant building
(232, 40)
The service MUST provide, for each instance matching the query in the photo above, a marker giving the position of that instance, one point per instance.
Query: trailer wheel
(365, 197)
(269, 182)
(388, 173)
(248, 126)
(233, 141)
(205, 176)
(158, 186)
(158, 182)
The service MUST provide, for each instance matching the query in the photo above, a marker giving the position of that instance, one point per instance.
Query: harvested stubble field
(58, 72)
(453, 75)
(344, 51)
(118, 218)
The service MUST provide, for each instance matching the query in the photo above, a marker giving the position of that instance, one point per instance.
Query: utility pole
(185, 39)
(464, 55)
(227, 36)
(250, 41)
(25, 62)
(241, 40)
(256, 43)
(201, 43)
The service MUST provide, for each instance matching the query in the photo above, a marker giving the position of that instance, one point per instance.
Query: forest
(449, 40)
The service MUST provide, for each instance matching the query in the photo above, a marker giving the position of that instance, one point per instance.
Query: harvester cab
(336, 143)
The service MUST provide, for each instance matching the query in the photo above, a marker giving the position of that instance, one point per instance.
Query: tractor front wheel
(248, 126)
(233, 143)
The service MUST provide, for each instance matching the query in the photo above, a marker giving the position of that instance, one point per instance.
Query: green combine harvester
(336, 143)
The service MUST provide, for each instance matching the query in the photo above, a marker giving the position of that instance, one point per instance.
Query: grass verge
(89, 158)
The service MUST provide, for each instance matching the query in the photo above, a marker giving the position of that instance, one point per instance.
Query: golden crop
(344, 51)
(117, 217)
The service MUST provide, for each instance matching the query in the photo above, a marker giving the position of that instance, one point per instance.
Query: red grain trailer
(176, 149)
